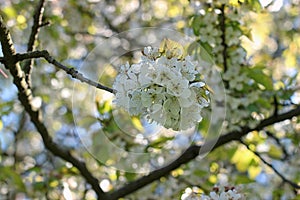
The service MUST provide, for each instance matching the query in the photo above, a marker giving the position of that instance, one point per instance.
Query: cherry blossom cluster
(210, 31)
(224, 193)
(164, 87)
(219, 30)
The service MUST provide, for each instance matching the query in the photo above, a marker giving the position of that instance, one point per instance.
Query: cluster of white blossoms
(164, 87)
(219, 30)
(219, 193)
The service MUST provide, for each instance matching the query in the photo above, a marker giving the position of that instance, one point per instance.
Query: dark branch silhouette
(193, 151)
(25, 97)
(223, 36)
(69, 70)
(37, 23)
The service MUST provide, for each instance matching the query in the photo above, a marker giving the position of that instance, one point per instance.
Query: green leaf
(103, 107)
(130, 176)
(193, 48)
(6, 107)
(253, 171)
(10, 12)
(204, 124)
(242, 159)
(159, 142)
(15, 180)
(242, 179)
(34, 169)
(258, 75)
(255, 5)
(275, 152)
(39, 185)
(196, 21)
(292, 79)
(264, 103)
(252, 107)
(200, 173)
(247, 32)
(137, 123)
(206, 52)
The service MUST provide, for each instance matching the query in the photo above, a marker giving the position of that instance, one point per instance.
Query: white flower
(122, 100)
(162, 88)
(190, 116)
(188, 100)
(146, 99)
(130, 84)
(135, 103)
(197, 84)
(178, 87)
(214, 195)
(165, 75)
(151, 53)
(136, 68)
(189, 195)
(222, 193)
(155, 113)
(124, 68)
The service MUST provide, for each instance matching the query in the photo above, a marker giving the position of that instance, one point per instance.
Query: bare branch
(71, 71)
(25, 97)
(223, 36)
(275, 101)
(193, 151)
(46, 23)
(285, 153)
(294, 185)
(37, 23)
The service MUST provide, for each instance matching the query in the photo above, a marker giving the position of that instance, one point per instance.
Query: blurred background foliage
(268, 31)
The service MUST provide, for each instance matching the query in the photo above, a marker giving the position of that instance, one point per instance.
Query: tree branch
(25, 97)
(294, 185)
(37, 23)
(284, 151)
(193, 151)
(223, 36)
(275, 101)
(71, 71)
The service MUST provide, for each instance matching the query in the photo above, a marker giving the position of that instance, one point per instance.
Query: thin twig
(37, 24)
(223, 36)
(291, 183)
(193, 151)
(275, 105)
(285, 153)
(70, 70)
